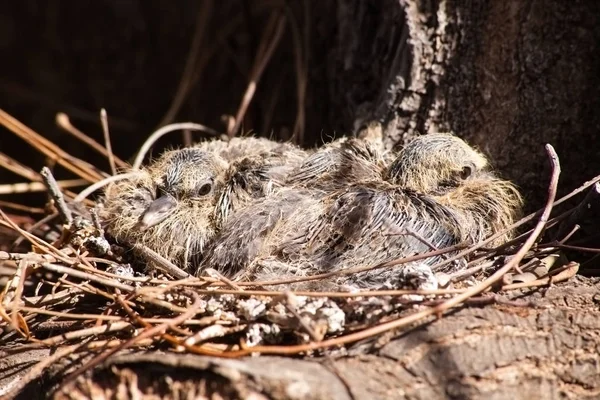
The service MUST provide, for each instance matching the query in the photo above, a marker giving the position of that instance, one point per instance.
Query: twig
(33, 257)
(110, 327)
(100, 184)
(41, 244)
(14, 166)
(215, 274)
(20, 207)
(565, 273)
(49, 149)
(591, 198)
(356, 270)
(569, 235)
(569, 247)
(520, 223)
(45, 220)
(96, 219)
(47, 299)
(366, 293)
(19, 276)
(57, 196)
(162, 263)
(60, 269)
(262, 58)
(31, 187)
(192, 65)
(148, 333)
(63, 121)
(301, 66)
(107, 144)
(139, 158)
(78, 315)
(461, 275)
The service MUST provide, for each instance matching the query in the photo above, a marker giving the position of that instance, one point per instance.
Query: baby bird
(438, 192)
(177, 204)
(333, 167)
(339, 164)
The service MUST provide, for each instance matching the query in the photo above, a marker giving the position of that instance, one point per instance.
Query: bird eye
(205, 189)
(466, 172)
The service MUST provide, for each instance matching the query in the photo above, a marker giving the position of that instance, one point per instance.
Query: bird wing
(338, 165)
(248, 232)
(373, 224)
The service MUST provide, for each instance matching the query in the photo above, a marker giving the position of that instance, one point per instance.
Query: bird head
(459, 177)
(169, 205)
(182, 181)
(431, 163)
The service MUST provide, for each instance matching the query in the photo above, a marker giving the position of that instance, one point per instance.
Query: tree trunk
(509, 76)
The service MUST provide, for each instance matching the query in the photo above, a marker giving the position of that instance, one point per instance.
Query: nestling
(177, 204)
(438, 192)
(339, 164)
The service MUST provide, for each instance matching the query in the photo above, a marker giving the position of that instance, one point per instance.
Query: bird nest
(72, 291)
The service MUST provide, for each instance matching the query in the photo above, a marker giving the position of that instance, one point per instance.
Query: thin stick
(86, 332)
(162, 263)
(100, 184)
(260, 63)
(60, 269)
(192, 63)
(147, 333)
(20, 207)
(569, 247)
(519, 223)
(57, 196)
(366, 293)
(33, 310)
(300, 62)
(590, 200)
(111, 156)
(14, 166)
(51, 150)
(356, 270)
(566, 272)
(216, 274)
(63, 121)
(39, 243)
(33, 187)
(45, 220)
(570, 234)
(139, 158)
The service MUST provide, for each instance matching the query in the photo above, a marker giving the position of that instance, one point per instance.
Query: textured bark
(509, 76)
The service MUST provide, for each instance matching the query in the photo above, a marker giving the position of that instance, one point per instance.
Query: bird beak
(157, 211)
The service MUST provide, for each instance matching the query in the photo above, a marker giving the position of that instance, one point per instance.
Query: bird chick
(339, 164)
(177, 204)
(330, 168)
(458, 176)
(438, 192)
